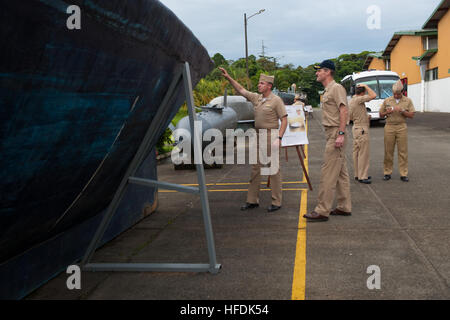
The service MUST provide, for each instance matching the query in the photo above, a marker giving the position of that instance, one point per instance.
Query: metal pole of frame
(196, 133)
(129, 178)
(246, 45)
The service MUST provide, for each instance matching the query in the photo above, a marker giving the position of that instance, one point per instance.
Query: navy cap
(326, 64)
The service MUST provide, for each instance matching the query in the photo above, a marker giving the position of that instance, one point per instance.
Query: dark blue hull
(74, 107)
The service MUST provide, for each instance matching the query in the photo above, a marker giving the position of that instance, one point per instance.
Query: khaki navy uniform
(360, 131)
(396, 132)
(334, 178)
(267, 113)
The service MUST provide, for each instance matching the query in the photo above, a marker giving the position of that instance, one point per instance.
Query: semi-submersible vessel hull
(75, 105)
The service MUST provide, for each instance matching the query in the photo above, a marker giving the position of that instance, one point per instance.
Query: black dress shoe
(337, 212)
(404, 179)
(387, 177)
(273, 208)
(315, 217)
(366, 181)
(368, 178)
(247, 206)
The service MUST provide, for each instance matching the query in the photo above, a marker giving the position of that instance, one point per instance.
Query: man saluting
(361, 124)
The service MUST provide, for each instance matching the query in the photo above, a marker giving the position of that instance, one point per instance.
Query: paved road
(403, 228)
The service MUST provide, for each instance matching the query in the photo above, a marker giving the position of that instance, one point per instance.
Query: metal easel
(184, 76)
(301, 156)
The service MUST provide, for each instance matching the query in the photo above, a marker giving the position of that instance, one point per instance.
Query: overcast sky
(298, 31)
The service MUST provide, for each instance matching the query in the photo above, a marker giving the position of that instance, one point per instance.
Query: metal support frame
(129, 178)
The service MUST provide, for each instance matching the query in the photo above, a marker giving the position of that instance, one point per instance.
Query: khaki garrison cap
(397, 87)
(266, 78)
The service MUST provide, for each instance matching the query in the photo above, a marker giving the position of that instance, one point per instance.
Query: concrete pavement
(401, 227)
(404, 228)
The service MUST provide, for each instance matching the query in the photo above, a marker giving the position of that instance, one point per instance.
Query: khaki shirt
(396, 117)
(267, 110)
(333, 97)
(358, 111)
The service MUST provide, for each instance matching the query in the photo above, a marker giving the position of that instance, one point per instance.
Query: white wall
(437, 95)
(414, 94)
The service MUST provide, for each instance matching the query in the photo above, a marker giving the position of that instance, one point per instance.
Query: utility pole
(246, 45)
(263, 53)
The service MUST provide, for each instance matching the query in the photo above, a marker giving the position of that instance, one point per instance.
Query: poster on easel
(296, 129)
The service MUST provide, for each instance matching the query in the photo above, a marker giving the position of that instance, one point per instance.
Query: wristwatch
(341, 133)
(281, 138)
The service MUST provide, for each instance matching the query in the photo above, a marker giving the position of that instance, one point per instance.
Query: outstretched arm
(240, 89)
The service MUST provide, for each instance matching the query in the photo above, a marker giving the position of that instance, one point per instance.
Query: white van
(379, 81)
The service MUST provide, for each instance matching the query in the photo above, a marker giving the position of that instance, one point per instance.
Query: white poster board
(296, 129)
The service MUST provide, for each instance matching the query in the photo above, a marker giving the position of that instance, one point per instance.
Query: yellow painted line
(246, 183)
(299, 281)
(233, 184)
(236, 183)
(306, 156)
(240, 190)
(237, 190)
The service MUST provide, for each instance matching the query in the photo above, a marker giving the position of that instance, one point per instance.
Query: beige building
(376, 61)
(422, 60)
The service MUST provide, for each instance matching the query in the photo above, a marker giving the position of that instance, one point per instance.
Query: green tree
(307, 83)
(214, 84)
(349, 63)
(265, 64)
(239, 64)
(219, 60)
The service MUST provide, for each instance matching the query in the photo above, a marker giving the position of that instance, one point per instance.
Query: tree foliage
(219, 60)
(214, 84)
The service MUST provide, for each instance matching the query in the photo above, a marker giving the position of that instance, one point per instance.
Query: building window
(431, 74)
(430, 42)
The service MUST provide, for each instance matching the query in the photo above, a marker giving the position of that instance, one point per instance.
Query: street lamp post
(246, 45)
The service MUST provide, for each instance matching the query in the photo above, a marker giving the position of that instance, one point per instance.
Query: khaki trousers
(255, 178)
(396, 134)
(361, 151)
(334, 178)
